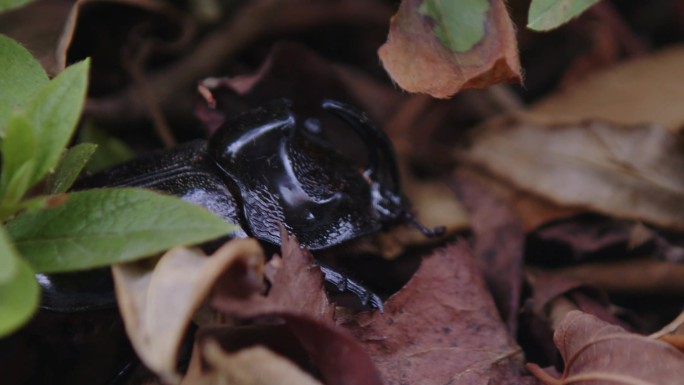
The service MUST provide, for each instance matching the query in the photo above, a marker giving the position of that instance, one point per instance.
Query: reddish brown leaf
(297, 288)
(418, 61)
(498, 246)
(442, 327)
(596, 352)
(297, 296)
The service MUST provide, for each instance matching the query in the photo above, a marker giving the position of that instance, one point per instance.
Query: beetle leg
(349, 285)
(430, 233)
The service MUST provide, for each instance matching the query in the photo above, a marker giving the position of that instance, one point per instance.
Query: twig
(257, 19)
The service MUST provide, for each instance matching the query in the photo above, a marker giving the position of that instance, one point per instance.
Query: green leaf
(9, 4)
(21, 78)
(69, 167)
(459, 24)
(100, 227)
(110, 150)
(18, 147)
(8, 258)
(20, 294)
(55, 112)
(16, 188)
(545, 15)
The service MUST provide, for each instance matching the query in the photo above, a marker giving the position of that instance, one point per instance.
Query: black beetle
(268, 167)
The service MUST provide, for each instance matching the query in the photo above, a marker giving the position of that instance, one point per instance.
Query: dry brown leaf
(251, 366)
(532, 210)
(625, 171)
(419, 62)
(644, 90)
(158, 303)
(498, 245)
(633, 276)
(596, 352)
(442, 327)
(297, 287)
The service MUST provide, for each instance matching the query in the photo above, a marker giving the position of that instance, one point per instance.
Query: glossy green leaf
(55, 112)
(545, 15)
(19, 293)
(99, 227)
(21, 77)
(459, 24)
(69, 167)
(18, 147)
(16, 188)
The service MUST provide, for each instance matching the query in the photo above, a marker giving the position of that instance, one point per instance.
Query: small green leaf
(9, 4)
(69, 167)
(110, 150)
(21, 78)
(8, 258)
(18, 147)
(459, 24)
(55, 112)
(99, 227)
(545, 15)
(19, 295)
(16, 188)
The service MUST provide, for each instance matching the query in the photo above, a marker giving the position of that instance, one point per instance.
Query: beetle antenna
(430, 233)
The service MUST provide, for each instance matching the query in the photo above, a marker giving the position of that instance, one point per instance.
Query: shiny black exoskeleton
(265, 168)
(268, 167)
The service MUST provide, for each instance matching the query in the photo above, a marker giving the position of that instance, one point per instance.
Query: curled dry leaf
(251, 366)
(425, 52)
(625, 171)
(297, 296)
(158, 302)
(442, 327)
(596, 352)
(297, 287)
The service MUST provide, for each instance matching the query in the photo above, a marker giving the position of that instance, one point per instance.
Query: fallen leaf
(578, 239)
(439, 47)
(635, 92)
(498, 246)
(251, 366)
(297, 296)
(442, 327)
(595, 351)
(532, 210)
(641, 276)
(630, 172)
(297, 287)
(158, 302)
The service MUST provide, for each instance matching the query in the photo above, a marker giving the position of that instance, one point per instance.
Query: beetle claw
(434, 232)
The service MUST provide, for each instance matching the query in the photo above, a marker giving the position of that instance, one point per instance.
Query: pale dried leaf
(158, 303)
(418, 60)
(596, 352)
(644, 90)
(251, 366)
(631, 172)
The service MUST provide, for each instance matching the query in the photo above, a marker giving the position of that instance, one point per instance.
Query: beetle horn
(382, 164)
